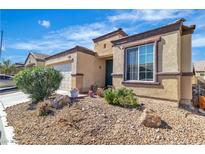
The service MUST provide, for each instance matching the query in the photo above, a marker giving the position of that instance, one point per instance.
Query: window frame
(154, 63)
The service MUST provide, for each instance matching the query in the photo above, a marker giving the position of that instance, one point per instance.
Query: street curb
(7, 88)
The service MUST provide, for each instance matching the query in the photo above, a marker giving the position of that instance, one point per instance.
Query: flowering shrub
(39, 82)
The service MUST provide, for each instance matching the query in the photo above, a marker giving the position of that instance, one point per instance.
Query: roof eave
(72, 50)
(158, 31)
(108, 35)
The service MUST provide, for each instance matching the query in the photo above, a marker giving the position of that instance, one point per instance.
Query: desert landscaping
(94, 121)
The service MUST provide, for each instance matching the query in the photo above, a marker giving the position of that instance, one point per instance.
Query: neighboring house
(156, 63)
(199, 68)
(35, 59)
(19, 66)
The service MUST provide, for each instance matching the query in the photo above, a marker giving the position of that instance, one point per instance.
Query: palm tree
(6, 67)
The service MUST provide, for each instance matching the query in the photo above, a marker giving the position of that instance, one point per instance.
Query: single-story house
(156, 63)
(35, 59)
(199, 68)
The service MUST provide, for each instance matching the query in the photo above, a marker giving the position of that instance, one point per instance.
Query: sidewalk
(6, 101)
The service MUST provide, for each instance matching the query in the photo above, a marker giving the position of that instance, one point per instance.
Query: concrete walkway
(6, 132)
(13, 99)
(63, 92)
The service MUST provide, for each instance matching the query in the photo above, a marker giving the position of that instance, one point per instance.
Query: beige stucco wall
(105, 52)
(168, 61)
(70, 58)
(40, 63)
(186, 87)
(77, 82)
(186, 66)
(93, 70)
(166, 90)
(169, 52)
(186, 53)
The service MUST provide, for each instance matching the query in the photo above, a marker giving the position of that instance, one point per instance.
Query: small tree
(6, 67)
(39, 82)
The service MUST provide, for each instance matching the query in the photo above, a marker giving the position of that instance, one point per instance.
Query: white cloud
(66, 38)
(44, 23)
(198, 41)
(71, 36)
(148, 15)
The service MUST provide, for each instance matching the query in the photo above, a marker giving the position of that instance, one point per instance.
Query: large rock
(44, 109)
(61, 101)
(150, 119)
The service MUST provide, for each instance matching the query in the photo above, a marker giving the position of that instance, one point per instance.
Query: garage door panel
(65, 70)
(63, 67)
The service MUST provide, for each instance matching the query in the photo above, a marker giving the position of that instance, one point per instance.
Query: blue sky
(52, 31)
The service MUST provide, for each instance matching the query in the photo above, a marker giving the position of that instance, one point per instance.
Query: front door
(108, 76)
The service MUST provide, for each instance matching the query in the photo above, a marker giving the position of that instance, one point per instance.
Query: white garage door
(65, 70)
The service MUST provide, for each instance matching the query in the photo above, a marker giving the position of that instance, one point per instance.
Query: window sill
(140, 83)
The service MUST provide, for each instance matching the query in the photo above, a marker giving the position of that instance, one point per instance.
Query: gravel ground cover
(93, 121)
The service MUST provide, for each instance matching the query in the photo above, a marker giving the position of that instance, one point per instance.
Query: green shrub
(109, 95)
(39, 82)
(122, 97)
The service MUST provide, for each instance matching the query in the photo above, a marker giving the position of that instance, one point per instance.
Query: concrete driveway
(13, 98)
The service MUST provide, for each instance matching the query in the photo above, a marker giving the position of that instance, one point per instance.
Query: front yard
(93, 121)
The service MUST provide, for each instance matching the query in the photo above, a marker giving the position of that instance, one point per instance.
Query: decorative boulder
(66, 100)
(202, 102)
(150, 119)
(44, 109)
(61, 101)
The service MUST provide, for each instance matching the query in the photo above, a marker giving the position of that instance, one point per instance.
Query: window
(201, 74)
(104, 46)
(140, 63)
